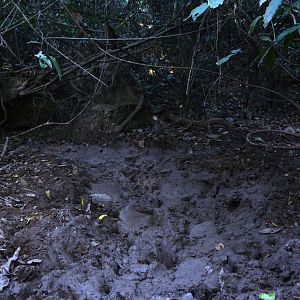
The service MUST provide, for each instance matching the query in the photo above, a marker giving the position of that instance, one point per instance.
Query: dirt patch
(194, 218)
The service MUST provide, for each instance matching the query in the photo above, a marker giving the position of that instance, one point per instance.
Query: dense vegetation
(226, 56)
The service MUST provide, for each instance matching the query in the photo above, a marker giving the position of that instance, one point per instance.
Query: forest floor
(189, 216)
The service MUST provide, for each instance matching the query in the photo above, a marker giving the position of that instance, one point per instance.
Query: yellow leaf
(102, 217)
(48, 194)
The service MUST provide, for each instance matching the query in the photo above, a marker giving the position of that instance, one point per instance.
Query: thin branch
(4, 148)
(3, 107)
(55, 49)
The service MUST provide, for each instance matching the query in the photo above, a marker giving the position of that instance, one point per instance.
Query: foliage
(284, 31)
(45, 62)
(157, 35)
(270, 11)
(198, 11)
(226, 58)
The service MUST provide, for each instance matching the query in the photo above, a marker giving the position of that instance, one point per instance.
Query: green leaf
(267, 296)
(226, 58)
(265, 37)
(286, 32)
(288, 41)
(263, 56)
(56, 65)
(253, 24)
(297, 4)
(44, 61)
(42, 64)
(259, 139)
(270, 58)
(270, 11)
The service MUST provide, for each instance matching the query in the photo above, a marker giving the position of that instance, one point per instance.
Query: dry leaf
(102, 217)
(220, 247)
(48, 194)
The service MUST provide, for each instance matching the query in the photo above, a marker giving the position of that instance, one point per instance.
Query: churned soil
(150, 217)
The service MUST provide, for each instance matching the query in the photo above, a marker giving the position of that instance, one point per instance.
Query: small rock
(188, 296)
(290, 129)
(270, 230)
(166, 171)
(213, 136)
(23, 182)
(101, 198)
(31, 195)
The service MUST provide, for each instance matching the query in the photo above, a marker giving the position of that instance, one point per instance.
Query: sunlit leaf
(271, 10)
(48, 194)
(258, 139)
(44, 61)
(215, 3)
(198, 11)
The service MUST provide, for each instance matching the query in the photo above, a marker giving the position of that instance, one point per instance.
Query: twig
(205, 123)
(121, 127)
(2, 107)
(4, 147)
(60, 123)
(55, 49)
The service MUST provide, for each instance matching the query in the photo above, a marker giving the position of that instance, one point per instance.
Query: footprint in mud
(132, 218)
(165, 253)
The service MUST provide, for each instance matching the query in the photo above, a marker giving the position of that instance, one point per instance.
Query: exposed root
(4, 148)
(270, 144)
(205, 123)
(121, 127)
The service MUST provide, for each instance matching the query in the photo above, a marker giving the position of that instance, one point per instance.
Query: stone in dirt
(101, 199)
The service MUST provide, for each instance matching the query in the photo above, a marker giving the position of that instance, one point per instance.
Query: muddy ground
(201, 216)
